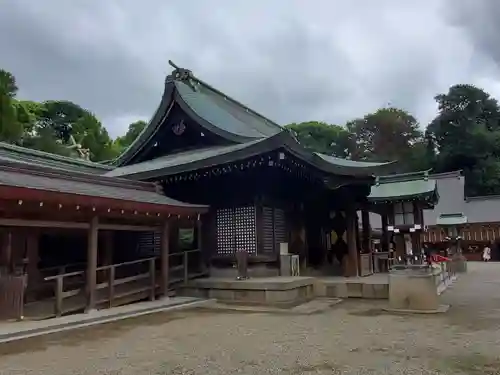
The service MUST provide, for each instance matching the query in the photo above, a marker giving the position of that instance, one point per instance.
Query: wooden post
(92, 263)
(152, 275)
(111, 285)
(186, 269)
(164, 258)
(352, 255)
(59, 294)
(385, 233)
(365, 222)
(34, 277)
(200, 245)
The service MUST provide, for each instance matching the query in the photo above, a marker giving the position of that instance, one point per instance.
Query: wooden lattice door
(236, 230)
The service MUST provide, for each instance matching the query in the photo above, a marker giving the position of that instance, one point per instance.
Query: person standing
(486, 253)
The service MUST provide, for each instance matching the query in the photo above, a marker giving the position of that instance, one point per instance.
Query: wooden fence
(12, 296)
(123, 283)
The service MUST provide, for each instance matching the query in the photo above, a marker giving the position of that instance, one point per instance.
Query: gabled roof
(212, 156)
(17, 154)
(407, 186)
(248, 131)
(211, 108)
(31, 181)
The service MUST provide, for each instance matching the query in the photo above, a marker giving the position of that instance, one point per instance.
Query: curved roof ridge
(182, 74)
(354, 163)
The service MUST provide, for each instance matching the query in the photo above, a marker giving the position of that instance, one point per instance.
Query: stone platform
(280, 290)
(375, 286)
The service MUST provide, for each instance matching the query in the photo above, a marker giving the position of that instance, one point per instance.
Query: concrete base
(315, 306)
(282, 290)
(414, 288)
(370, 287)
(254, 270)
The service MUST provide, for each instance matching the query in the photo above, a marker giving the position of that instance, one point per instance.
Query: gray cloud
(292, 60)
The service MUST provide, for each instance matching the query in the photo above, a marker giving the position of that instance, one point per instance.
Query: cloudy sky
(292, 60)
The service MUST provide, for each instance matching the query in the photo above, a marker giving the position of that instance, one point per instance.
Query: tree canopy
(465, 134)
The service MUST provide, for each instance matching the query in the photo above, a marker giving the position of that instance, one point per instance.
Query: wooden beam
(164, 257)
(92, 263)
(74, 225)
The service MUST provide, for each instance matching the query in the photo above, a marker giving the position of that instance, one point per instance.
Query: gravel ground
(354, 337)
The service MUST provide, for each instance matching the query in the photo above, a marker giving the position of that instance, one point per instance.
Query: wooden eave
(281, 141)
(99, 203)
(157, 204)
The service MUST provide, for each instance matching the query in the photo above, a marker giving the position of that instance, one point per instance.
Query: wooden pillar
(6, 253)
(385, 233)
(32, 252)
(352, 255)
(199, 241)
(367, 233)
(92, 263)
(418, 216)
(199, 235)
(164, 257)
(105, 255)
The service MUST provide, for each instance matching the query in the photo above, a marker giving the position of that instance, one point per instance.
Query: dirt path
(354, 337)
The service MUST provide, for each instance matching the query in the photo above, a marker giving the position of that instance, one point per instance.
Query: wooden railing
(65, 268)
(124, 282)
(184, 266)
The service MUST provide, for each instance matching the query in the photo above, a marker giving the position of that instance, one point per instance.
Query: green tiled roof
(223, 112)
(416, 185)
(451, 219)
(17, 154)
(351, 163)
(229, 119)
(177, 163)
(208, 157)
(213, 109)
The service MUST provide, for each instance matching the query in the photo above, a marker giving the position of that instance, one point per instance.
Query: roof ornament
(83, 153)
(179, 128)
(294, 134)
(181, 74)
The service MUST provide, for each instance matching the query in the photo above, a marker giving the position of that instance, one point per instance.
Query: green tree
(466, 135)
(10, 129)
(322, 137)
(64, 119)
(389, 134)
(134, 129)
